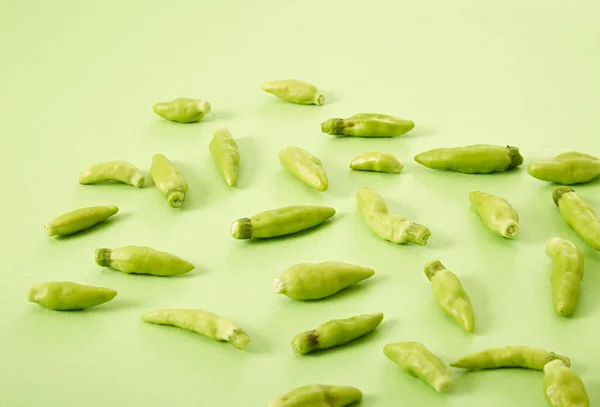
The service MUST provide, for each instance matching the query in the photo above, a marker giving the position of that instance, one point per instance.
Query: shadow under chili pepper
(353, 290)
(248, 148)
(479, 298)
(96, 228)
(258, 344)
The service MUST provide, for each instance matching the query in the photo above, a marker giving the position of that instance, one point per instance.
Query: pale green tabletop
(78, 81)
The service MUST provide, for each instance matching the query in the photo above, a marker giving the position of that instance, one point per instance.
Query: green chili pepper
(496, 213)
(416, 360)
(112, 171)
(474, 159)
(182, 110)
(578, 215)
(367, 125)
(450, 294)
(335, 333)
(224, 151)
(378, 162)
(567, 272)
(281, 221)
(168, 180)
(563, 387)
(566, 168)
(142, 260)
(319, 395)
(295, 91)
(202, 322)
(304, 166)
(66, 296)
(394, 228)
(508, 356)
(78, 220)
(319, 280)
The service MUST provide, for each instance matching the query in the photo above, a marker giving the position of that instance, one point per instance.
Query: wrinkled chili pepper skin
(182, 110)
(120, 171)
(319, 395)
(450, 294)
(390, 227)
(202, 322)
(78, 220)
(473, 159)
(563, 387)
(67, 296)
(225, 153)
(418, 361)
(496, 213)
(313, 281)
(377, 162)
(567, 272)
(305, 167)
(335, 333)
(169, 181)
(509, 356)
(281, 221)
(578, 215)
(142, 260)
(295, 91)
(566, 168)
(367, 125)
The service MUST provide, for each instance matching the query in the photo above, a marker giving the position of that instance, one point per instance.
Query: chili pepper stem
(175, 199)
(509, 229)
(242, 228)
(239, 338)
(319, 99)
(333, 126)
(417, 234)
(560, 191)
(432, 267)
(137, 180)
(278, 286)
(103, 257)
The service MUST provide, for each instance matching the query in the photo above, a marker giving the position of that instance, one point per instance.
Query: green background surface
(78, 80)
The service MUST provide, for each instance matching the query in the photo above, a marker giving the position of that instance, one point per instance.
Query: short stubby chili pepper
(319, 395)
(377, 162)
(120, 171)
(473, 159)
(418, 361)
(182, 110)
(78, 220)
(496, 213)
(450, 294)
(313, 281)
(563, 387)
(567, 272)
(508, 356)
(304, 166)
(390, 227)
(566, 168)
(225, 153)
(67, 296)
(295, 91)
(335, 333)
(168, 180)
(281, 221)
(205, 323)
(142, 260)
(367, 125)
